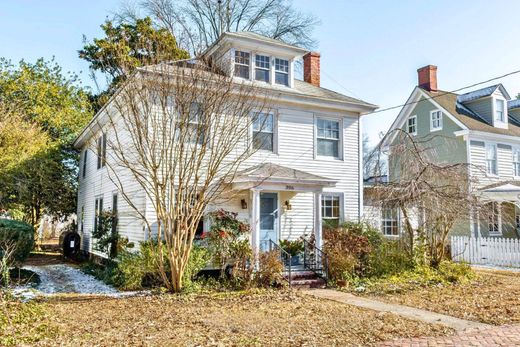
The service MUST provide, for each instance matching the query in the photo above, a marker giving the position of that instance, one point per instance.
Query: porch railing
(315, 260)
(284, 256)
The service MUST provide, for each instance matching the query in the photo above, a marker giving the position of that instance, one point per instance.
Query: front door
(268, 219)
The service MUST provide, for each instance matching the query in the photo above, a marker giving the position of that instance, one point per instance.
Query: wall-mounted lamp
(288, 205)
(243, 203)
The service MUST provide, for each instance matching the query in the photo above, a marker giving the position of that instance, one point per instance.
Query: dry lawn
(272, 318)
(493, 298)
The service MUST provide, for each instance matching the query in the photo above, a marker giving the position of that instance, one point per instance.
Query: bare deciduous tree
(181, 131)
(198, 23)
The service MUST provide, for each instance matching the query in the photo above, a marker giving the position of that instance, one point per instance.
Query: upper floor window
(262, 68)
(390, 221)
(242, 62)
(281, 68)
(263, 131)
(102, 151)
(516, 161)
(84, 169)
(195, 126)
(499, 111)
(330, 209)
(491, 159)
(328, 138)
(411, 125)
(435, 120)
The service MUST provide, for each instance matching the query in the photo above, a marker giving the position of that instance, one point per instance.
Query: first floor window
(390, 221)
(516, 161)
(328, 138)
(263, 131)
(98, 210)
(411, 126)
(436, 120)
(242, 61)
(491, 159)
(494, 219)
(114, 213)
(517, 220)
(330, 209)
(262, 68)
(82, 220)
(195, 124)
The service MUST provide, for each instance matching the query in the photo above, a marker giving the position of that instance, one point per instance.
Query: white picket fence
(486, 250)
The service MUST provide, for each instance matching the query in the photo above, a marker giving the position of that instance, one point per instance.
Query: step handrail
(318, 254)
(274, 246)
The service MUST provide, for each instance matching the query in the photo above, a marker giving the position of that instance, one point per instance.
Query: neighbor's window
(102, 151)
(517, 220)
(263, 131)
(516, 161)
(328, 138)
(330, 209)
(242, 62)
(281, 68)
(262, 68)
(491, 159)
(494, 222)
(411, 125)
(499, 111)
(436, 120)
(390, 221)
(84, 170)
(98, 209)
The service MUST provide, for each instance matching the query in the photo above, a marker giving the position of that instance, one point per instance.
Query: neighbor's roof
(512, 104)
(274, 172)
(451, 103)
(482, 93)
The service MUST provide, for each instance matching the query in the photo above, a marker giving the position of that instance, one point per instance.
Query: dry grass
(275, 318)
(492, 298)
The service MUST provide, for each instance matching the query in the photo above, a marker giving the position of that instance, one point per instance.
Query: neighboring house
(481, 128)
(311, 170)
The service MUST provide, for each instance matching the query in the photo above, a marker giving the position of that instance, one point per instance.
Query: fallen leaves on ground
(273, 318)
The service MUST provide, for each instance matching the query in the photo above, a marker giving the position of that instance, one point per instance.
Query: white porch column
(318, 235)
(255, 221)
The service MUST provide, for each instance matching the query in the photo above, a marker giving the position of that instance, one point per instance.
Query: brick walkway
(507, 335)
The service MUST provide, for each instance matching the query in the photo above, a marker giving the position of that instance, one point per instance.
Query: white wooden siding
(478, 163)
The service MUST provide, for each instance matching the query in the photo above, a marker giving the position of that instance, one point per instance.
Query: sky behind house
(369, 49)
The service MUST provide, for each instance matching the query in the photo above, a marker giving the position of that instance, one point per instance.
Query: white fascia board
(491, 137)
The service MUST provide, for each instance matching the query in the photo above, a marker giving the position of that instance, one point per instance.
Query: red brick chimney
(428, 77)
(311, 68)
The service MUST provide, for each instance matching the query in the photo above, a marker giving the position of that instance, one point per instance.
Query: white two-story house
(310, 167)
(480, 128)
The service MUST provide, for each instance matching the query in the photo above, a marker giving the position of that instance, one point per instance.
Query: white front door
(268, 219)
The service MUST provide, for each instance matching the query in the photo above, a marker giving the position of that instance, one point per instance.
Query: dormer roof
(482, 93)
(513, 104)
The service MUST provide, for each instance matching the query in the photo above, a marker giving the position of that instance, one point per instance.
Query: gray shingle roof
(270, 171)
(512, 104)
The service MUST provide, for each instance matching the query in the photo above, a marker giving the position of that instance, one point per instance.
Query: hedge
(19, 232)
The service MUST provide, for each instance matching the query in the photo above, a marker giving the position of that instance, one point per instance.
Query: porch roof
(269, 173)
(503, 191)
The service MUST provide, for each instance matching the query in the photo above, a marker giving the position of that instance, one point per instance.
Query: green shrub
(18, 233)
(292, 247)
(456, 272)
(388, 258)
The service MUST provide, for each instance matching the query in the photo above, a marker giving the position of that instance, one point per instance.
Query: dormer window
(262, 68)
(242, 62)
(281, 67)
(499, 111)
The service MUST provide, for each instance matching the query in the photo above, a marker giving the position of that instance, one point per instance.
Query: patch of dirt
(272, 318)
(45, 258)
(492, 298)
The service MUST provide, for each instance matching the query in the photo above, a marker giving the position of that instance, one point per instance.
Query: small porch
(500, 215)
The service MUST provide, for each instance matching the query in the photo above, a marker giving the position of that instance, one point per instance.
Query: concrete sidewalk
(404, 311)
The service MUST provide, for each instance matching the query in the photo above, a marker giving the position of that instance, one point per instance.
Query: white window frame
(332, 196)
(340, 138)
(414, 133)
(495, 146)
(84, 164)
(502, 118)
(274, 132)
(241, 64)
(495, 220)
(268, 69)
(516, 162)
(98, 209)
(282, 72)
(384, 222)
(101, 149)
(432, 121)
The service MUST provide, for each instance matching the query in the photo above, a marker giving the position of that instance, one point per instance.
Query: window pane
(263, 122)
(263, 140)
(262, 75)
(328, 148)
(242, 71)
(281, 65)
(242, 58)
(282, 78)
(262, 61)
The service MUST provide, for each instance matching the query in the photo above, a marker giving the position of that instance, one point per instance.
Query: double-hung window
(494, 220)
(411, 125)
(195, 126)
(84, 169)
(281, 68)
(98, 210)
(330, 209)
(262, 68)
(491, 159)
(328, 135)
(101, 151)
(263, 131)
(499, 111)
(516, 161)
(114, 213)
(390, 221)
(435, 120)
(242, 62)
(82, 220)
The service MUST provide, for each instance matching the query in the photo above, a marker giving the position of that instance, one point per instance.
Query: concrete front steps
(305, 280)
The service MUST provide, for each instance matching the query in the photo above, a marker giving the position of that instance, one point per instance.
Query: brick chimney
(311, 68)
(428, 77)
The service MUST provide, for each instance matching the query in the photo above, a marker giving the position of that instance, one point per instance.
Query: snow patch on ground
(492, 267)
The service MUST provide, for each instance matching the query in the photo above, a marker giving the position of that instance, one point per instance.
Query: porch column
(318, 235)
(255, 221)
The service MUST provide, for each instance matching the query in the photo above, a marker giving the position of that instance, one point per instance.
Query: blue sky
(370, 49)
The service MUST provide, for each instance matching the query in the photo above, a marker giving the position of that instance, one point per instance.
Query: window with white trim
(390, 221)
(435, 120)
(242, 63)
(499, 111)
(516, 161)
(328, 143)
(411, 125)
(263, 131)
(84, 169)
(494, 220)
(491, 159)
(98, 210)
(195, 128)
(82, 219)
(102, 151)
(331, 209)
(281, 71)
(262, 67)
